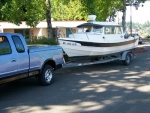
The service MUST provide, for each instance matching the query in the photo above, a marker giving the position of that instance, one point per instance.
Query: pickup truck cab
(17, 60)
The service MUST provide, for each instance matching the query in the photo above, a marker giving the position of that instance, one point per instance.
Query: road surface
(102, 88)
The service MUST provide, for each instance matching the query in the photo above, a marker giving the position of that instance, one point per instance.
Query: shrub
(5, 51)
(148, 36)
(42, 40)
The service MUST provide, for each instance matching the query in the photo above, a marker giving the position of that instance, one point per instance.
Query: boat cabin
(106, 31)
(100, 27)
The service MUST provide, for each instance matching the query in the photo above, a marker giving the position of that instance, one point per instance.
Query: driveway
(103, 88)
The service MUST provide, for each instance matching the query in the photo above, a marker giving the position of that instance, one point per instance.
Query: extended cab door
(22, 55)
(14, 58)
(8, 60)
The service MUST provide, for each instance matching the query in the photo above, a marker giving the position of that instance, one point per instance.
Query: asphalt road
(102, 88)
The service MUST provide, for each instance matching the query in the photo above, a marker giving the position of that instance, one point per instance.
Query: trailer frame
(125, 57)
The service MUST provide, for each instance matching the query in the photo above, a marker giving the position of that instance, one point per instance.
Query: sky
(141, 15)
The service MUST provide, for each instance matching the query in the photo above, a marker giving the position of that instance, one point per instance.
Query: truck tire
(127, 60)
(46, 76)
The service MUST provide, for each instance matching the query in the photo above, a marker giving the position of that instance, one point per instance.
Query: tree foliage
(16, 11)
(32, 11)
(79, 9)
(67, 10)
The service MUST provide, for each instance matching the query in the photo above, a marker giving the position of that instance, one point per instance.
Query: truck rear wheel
(46, 76)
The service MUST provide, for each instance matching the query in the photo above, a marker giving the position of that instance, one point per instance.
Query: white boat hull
(75, 48)
(96, 39)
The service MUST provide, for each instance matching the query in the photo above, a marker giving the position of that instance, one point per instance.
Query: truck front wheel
(46, 76)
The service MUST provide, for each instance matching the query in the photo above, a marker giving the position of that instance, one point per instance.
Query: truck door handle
(13, 60)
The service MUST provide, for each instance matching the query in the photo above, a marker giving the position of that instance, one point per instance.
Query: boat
(97, 39)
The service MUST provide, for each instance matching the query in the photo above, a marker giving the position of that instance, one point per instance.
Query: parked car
(140, 38)
(17, 60)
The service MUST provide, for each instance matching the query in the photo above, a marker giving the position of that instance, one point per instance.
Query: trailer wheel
(46, 76)
(127, 60)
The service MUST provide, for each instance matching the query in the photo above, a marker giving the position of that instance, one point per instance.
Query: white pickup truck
(17, 60)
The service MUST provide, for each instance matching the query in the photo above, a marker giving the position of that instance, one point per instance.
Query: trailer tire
(127, 60)
(46, 76)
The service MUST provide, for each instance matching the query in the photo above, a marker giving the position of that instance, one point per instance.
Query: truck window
(18, 44)
(4, 46)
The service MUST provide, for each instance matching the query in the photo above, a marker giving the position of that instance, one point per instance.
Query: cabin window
(85, 29)
(97, 29)
(4, 46)
(80, 30)
(110, 30)
(119, 30)
(18, 44)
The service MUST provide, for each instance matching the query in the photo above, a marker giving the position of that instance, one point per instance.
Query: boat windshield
(97, 29)
(85, 29)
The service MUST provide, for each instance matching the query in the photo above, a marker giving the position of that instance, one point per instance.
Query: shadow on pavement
(102, 88)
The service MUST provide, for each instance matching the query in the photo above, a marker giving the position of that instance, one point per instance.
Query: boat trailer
(125, 57)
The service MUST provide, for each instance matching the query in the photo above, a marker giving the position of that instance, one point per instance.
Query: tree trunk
(124, 16)
(48, 19)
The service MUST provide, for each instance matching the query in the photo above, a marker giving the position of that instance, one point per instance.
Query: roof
(4, 34)
(101, 24)
(41, 24)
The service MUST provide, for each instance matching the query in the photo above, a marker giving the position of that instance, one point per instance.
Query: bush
(5, 50)
(42, 40)
(148, 36)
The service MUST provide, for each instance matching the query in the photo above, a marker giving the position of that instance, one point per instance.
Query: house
(41, 29)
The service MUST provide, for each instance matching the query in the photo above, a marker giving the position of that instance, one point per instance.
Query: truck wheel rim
(48, 75)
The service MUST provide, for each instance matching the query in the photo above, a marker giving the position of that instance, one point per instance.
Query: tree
(79, 9)
(103, 8)
(31, 11)
(48, 18)
(124, 4)
(16, 11)
(67, 10)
